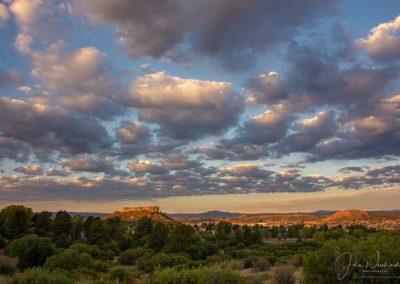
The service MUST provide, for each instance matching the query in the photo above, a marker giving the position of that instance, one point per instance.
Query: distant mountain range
(222, 214)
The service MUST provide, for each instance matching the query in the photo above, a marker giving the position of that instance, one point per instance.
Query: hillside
(348, 215)
(133, 214)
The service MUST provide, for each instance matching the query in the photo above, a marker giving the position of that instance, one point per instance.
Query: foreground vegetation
(42, 248)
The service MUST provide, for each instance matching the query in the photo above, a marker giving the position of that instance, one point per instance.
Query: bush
(204, 275)
(331, 261)
(119, 274)
(41, 276)
(6, 269)
(31, 250)
(91, 250)
(284, 274)
(131, 255)
(72, 259)
(261, 264)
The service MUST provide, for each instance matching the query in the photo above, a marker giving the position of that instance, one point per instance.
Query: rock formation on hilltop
(133, 214)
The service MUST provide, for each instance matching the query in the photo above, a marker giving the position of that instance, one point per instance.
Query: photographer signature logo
(345, 261)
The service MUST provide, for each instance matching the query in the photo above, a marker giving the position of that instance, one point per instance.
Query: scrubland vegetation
(42, 248)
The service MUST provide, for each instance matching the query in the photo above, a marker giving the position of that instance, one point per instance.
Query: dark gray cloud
(308, 132)
(226, 150)
(348, 170)
(13, 149)
(51, 129)
(365, 137)
(134, 138)
(379, 177)
(90, 163)
(143, 167)
(144, 28)
(30, 170)
(57, 172)
(178, 161)
(231, 31)
(315, 78)
(267, 127)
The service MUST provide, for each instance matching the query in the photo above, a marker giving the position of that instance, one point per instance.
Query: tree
(86, 225)
(97, 233)
(159, 236)
(16, 221)
(61, 229)
(223, 230)
(42, 223)
(182, 237)
(114, 228)
(31, 250)
(77, 227)
(143, 229)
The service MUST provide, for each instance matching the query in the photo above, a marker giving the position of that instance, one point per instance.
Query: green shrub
(6, 269)
(41, 276)
(131, 255)
(72, 259)
(261, 264)
(31, 250)
(69, 259)
(119, 274)
(331, 261)
(204, 275)
(91, 250)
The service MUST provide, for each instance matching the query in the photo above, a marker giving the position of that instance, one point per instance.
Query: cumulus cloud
(90, 163)
(13, 149)
(33, 170)
(147, 28)
(81, 80)
(267, 127)
(383, 42)
(134, 138)
(26, 12)
(378, 177)
(57, 172)
(229, 151)
(230, 31)
(184, 108)
(178, 161)
(23, 43)
(45, 127)
(142, 167)
(308, 132)
(247, 170)
(265, 88)
(363, 137)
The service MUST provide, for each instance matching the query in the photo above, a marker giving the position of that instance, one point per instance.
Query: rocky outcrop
(133, 214)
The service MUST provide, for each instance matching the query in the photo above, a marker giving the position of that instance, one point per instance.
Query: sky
(245, 106)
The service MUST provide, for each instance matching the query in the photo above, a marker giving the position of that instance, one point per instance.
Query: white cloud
(23, 43)
(383, 42)
(185, 108)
